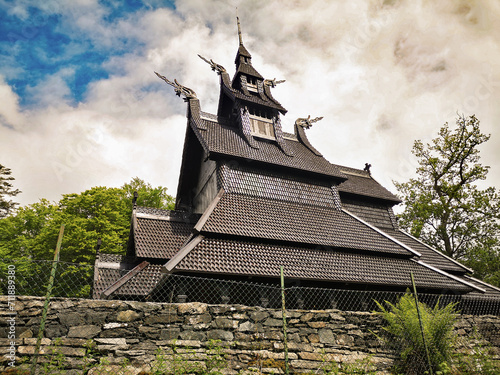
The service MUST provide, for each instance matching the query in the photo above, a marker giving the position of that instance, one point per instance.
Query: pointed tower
(246, 77)
(246, 132)
(247, 103)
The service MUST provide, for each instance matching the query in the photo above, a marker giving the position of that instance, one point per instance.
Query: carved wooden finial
(178, 88)
(367, 167)
(306, 123)
(216, 67)
(273, 82)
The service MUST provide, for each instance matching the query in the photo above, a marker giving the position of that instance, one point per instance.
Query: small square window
(262, 127)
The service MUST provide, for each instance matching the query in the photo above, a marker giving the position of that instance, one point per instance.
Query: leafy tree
(444, 207)
(6, 190)
(148, 196)
(18, 233)
(30, 235)
(99, 212)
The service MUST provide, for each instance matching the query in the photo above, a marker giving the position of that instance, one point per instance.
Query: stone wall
(252, 337)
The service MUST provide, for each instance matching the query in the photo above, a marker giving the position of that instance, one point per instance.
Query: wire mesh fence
(402, 340)
(75, 280)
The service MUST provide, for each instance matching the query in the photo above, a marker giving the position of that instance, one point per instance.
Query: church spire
(239, 28)
(243, 56)
(243, 60)
(248, 81)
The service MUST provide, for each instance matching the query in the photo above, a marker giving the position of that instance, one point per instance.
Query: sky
(82, 107)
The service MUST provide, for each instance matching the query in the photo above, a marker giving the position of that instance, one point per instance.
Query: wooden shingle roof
(383, 218)
(226, 141)
(159, 233)
(260, 218)
(237, 257)
(428, 254)
(360, 182)
(140, 284)
(285, 187)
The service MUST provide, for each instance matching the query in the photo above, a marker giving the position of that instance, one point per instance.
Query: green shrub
(404, 334)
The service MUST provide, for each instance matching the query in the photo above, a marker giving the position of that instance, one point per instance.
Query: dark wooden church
(252, 198)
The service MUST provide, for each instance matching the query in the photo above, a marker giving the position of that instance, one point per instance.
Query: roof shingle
(160, 235)
(280, 186)
(235, 257)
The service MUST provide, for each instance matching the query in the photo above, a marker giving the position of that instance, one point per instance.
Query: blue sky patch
(38, 45)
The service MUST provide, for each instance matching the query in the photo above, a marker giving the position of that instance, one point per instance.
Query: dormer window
(261, 124)
(252, 84)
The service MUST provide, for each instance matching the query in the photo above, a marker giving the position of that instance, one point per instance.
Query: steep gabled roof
(160, 233)
(379, 215)
(140, 284)
(268, 100)
(220, 140)
(360, 182)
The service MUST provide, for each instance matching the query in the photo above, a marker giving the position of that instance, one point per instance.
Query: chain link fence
(74, 280)
(401, 336)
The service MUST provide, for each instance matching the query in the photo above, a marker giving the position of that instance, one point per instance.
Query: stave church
(253, 198)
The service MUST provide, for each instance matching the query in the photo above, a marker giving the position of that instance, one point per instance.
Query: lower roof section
(361, 183)
(272, 219)
(490, 292)
(141, 284)
(160, 233)
(231, 257)
(428, 254)
(382, 217)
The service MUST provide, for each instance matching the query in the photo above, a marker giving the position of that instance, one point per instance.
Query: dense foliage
(100, 212)
(445, 208)
(28, 236)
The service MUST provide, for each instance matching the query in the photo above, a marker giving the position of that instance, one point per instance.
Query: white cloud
(53, 90)
(381, 73)
(10, 115)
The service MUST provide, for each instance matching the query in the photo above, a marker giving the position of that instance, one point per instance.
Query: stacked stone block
(250, 337)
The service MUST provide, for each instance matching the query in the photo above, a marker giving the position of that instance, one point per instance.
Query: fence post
(420, 321)
(283, 313)
(47, 299)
